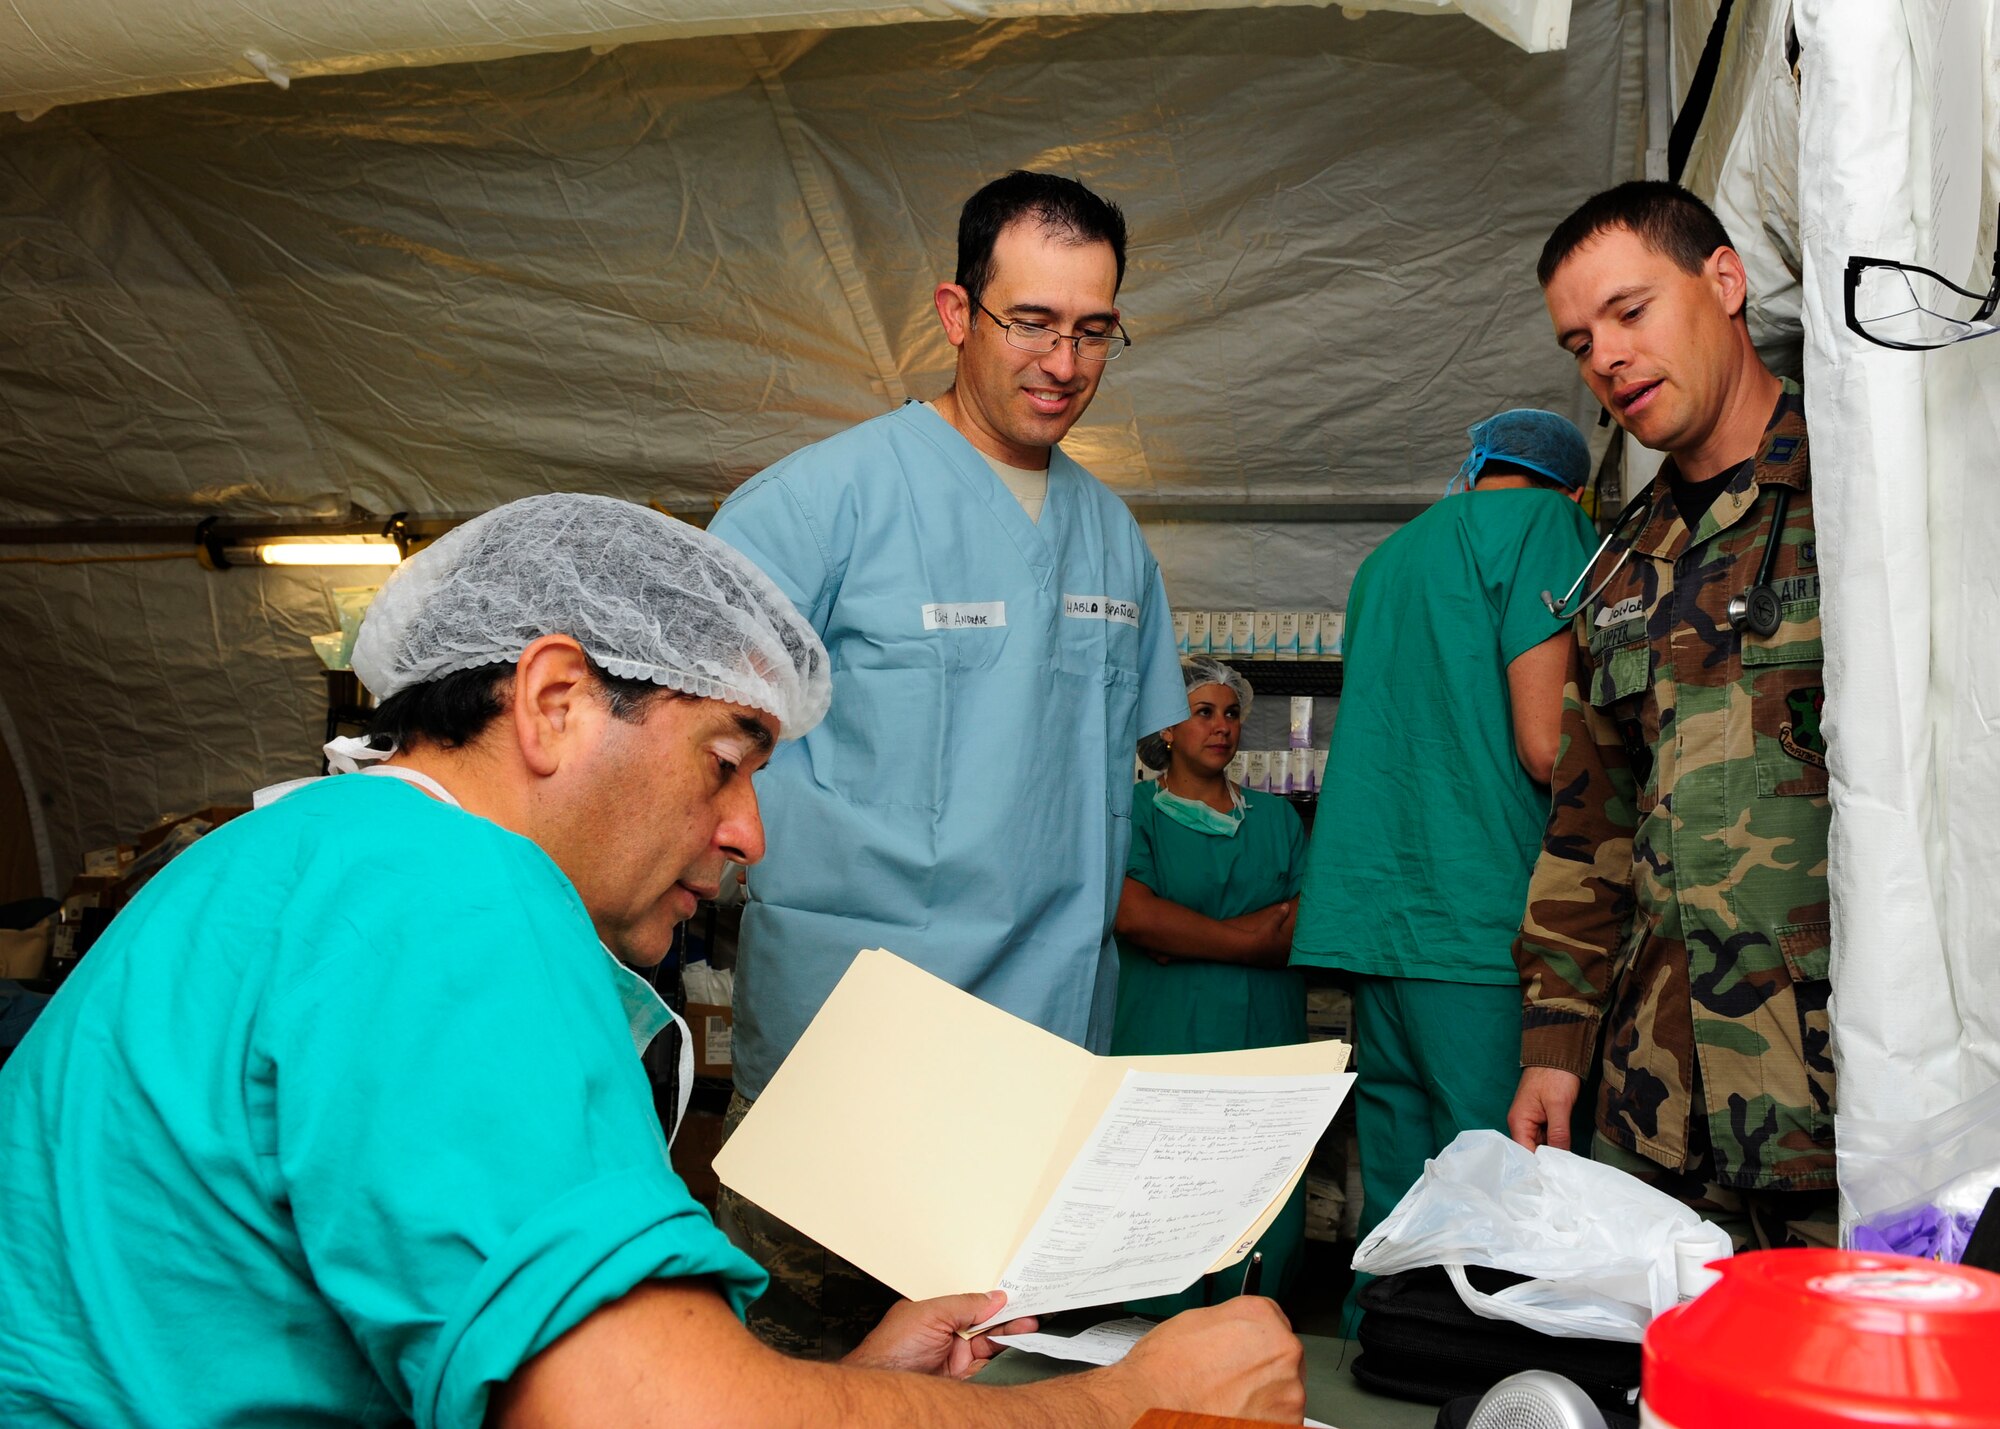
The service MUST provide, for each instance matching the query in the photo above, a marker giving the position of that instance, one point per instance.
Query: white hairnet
(646, 596)
(1196, 671)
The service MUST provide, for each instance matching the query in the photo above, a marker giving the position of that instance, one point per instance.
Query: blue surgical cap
(1527, 437)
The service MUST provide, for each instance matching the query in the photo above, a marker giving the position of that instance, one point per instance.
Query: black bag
(1419, 1342)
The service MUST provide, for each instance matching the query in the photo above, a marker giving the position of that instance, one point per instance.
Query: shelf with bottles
(1294, 773)
(1319, 678)
(1280, 652)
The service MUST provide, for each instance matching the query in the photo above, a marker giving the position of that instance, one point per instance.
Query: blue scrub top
(340, 1122)
(966, 804)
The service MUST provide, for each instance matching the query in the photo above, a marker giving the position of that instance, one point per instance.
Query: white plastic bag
(1598, 1244)
(1918, 1187)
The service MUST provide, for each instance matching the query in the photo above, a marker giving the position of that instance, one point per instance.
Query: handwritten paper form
(1176, 1173)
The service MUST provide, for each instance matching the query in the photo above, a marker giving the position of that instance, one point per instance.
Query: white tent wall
(652, 272)
(75, 51)
(1909, 518)
(27, 865)
(1745, 156)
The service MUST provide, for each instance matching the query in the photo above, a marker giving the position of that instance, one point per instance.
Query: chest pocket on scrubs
(1787, 694)
(884, 736)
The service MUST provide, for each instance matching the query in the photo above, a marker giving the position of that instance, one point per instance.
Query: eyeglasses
(1913, 309)
(1032, 337)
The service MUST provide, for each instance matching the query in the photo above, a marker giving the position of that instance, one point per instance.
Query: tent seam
(38, 827)
(825, 218)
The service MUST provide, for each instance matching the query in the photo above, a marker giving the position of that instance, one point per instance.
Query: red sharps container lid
(1805, 1339)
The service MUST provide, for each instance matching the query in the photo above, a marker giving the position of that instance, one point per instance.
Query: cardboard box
(695, 1144)
(1309, 635)
(714, 1030)
(23, 953)
(1288, 635)
(1264, 634)
(88, 890)
(215, 816)
(106, 862)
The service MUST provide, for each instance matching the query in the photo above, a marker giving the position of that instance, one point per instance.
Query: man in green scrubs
(1436, 792)
(344, 1121)
(1204, 925)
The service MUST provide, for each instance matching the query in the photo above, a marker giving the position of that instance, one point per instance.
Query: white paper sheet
(1099, 1345)
(1176, 1171)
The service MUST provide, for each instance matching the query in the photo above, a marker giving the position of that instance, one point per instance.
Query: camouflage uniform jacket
(1680, 898)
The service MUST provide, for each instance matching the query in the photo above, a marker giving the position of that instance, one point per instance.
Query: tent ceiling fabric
(654, 272)
(651, 273)
(55, 52)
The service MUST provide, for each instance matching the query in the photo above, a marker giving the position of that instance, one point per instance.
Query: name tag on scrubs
(966, 615)
(1101, 607)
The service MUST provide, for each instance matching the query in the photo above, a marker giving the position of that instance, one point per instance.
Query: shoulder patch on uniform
(1800, 736)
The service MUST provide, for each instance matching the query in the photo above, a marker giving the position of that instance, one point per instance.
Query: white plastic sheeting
(1903, 456)
(1745, 158)
(55, 52)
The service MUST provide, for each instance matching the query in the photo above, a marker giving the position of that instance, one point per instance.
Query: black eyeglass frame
(1988, 301)
(1074, 339)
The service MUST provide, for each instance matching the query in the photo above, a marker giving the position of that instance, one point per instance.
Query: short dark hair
(1497, 466)
(1063, 207)
(455, 709)
(1666, 217)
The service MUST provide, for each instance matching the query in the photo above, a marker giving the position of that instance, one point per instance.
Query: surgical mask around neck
(1194, 814)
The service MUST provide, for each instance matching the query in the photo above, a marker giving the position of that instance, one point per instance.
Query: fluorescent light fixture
(328, 553)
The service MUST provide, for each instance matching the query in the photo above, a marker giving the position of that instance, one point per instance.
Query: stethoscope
(1757, 610)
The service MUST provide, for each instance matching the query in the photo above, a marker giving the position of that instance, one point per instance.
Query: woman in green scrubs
(1204, 925)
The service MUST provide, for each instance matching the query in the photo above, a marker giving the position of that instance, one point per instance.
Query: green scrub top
(1184, 1006)
(1428, 825)
(1216, 1007)
(341, 1121)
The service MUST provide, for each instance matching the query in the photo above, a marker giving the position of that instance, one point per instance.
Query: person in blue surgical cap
(343, 1120)
(1436, 791)
(1000, 639)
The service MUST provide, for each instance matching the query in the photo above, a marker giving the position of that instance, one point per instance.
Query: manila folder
(918, 1132)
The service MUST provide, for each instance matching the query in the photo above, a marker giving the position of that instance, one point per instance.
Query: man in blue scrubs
(1000, 639)
(343, 1120)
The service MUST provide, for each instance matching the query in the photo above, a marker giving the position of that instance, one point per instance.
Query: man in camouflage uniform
(1675, 937)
